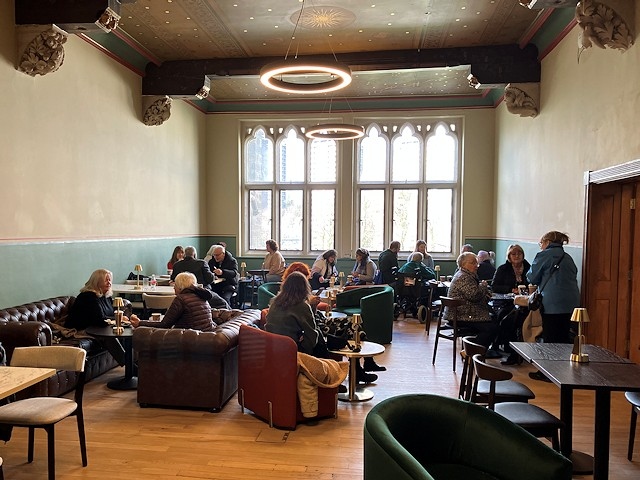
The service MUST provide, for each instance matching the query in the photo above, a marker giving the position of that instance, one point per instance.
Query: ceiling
(400, 51)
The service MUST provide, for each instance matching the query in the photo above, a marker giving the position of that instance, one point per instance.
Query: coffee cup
(522, 289)
(442, 278)
(155, 317)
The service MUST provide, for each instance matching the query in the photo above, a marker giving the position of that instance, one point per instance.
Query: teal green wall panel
(34, 271)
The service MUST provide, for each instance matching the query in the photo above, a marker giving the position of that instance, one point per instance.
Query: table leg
(129, 382)
(601, 435)
(355, 394)
(582, 462)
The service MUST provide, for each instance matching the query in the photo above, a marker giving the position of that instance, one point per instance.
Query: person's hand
(355, 275)
(218, 271)
(134, 320)
(321, 279)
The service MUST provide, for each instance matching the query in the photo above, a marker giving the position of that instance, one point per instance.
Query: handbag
(532, 326)
(535, 299)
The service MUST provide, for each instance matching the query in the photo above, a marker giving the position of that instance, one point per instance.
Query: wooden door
(610, 292)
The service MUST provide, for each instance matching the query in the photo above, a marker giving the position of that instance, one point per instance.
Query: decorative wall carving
(40, 49)
(156, 109)
(523, 99)
(108, 20)
(605, 24)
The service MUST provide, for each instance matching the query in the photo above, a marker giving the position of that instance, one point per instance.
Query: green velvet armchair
(431, 437)
(266, 292)
(375, 304)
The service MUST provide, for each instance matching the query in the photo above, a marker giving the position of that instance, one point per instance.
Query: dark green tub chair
(432, 437)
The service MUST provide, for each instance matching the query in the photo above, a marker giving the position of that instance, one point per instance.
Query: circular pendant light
(335, 131)
(272, 76)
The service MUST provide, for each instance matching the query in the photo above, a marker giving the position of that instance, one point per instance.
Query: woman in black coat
(508, 276)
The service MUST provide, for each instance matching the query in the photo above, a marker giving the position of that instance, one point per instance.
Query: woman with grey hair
(473, 314)
(190, 308)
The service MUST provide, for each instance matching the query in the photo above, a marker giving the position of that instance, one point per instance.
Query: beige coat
(316, 372)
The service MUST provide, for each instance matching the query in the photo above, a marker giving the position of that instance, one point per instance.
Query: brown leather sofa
(189, 368)
(28, 325)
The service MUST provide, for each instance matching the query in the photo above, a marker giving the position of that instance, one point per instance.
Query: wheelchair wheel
(422, 314)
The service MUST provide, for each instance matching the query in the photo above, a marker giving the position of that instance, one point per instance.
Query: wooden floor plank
(129, 442)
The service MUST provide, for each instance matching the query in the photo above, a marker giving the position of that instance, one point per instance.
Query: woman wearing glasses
(508, 276)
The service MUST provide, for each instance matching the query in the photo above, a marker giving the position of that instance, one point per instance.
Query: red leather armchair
(267, 379)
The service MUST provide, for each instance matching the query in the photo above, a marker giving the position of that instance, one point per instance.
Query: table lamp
(341, 277)
(356, 322)
(242, 267)
(138, 269)
(580, 316)
(118, 303)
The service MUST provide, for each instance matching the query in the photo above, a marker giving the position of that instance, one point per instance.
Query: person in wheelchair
(412, 288)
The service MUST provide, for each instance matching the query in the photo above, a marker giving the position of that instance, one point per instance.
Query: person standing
(388, 263)
(273, 262)
(556, 273)
(427, 259)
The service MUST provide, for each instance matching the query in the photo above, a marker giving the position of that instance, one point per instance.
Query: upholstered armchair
(266, 292)
(375, 304)
(268, 377)
(430, 437)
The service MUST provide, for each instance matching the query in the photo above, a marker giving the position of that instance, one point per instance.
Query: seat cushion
(507, 388)
(527, 415)
(37, 411)
(448, 471)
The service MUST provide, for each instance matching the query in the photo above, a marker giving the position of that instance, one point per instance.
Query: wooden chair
(45, 412)
(535, 420)
(477, 391)
(634, 399)
(156, 303)
(449, 331)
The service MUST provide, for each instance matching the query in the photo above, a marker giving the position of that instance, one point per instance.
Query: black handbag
(535, 299)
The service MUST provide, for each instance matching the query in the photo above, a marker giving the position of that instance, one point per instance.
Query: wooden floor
(128, 442)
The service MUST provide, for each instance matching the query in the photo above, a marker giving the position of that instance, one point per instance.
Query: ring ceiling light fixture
(335, 131)
(302, 74)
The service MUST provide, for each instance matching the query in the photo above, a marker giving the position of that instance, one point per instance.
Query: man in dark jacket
(388, 263)
(225, 268)
(191, 264)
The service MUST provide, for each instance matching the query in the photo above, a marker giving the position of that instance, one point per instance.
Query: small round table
(356, 393)
(129, 381)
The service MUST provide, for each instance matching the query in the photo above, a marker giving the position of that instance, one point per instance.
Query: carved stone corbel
(108, 20)
(40, 49)
(156, 109)
(523, 99)
(605, 24)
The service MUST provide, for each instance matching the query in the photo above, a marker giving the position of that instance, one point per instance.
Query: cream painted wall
(223, 172)
(589, 119)
(77, 161)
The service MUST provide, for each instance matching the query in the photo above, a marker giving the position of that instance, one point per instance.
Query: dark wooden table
(605, 372)
(129, 381)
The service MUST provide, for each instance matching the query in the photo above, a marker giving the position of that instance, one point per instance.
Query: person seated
(511, 273)
(178, 254)
(273, 262)
(225, 267)
(291, 315)
(209, 254)
(417, 268)
(189, 309)
(191, 264)
(323, 269)
(388, 263)
(473, 314)
(364, 269)
(93, 307)
(486, 270)
(421, 246)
